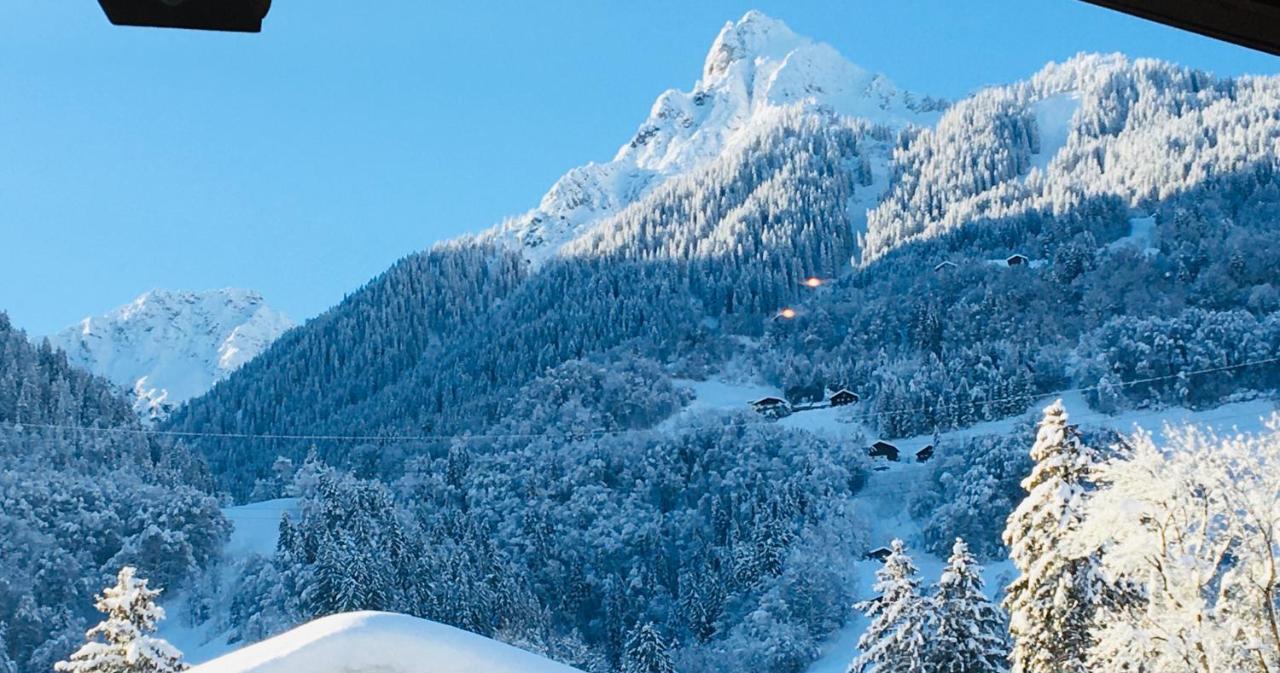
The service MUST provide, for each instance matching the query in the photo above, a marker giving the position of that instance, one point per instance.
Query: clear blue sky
(305, 160)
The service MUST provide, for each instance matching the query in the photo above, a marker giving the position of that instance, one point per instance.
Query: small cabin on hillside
(879, 554)
(843, 397)
(772, 407)
(924, 454)
(883, 450)
(1016, 259)
(944, 266)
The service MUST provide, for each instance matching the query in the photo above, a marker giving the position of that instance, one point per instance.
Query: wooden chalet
(844, 396)
(879, 554)
(774, 407)
(924, 454)
(883, 449)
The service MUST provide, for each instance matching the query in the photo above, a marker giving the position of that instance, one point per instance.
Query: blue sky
(305, 160)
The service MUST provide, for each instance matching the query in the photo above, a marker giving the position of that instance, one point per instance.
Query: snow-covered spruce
(123, 642)
(1194, 525)
(967, 632)
(7, 664)
(648, 651)
(1054, 601)
(896, 640)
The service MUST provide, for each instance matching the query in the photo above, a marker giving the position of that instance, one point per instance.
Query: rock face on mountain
(167, 347)
(755, 67)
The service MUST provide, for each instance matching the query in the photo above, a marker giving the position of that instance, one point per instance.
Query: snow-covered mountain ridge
(167, 347)
(755, 67)
(1094, 126)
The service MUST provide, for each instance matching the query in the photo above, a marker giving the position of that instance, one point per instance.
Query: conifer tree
(894, 642)
(967, 631)
(7, 664)
(647, 652)
(123, 642)
(1052, 603)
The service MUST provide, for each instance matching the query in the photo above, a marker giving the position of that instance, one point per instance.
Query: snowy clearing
(256, 529)
(257, 526)
(1053, 117)
(1140, 234)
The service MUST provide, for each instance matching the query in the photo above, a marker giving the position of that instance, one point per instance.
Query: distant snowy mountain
(380, 641)
(754, 67)
(168, 347)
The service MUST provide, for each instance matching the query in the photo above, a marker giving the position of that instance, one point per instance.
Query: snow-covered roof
(383, 642)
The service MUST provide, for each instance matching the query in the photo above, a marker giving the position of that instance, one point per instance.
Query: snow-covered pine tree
(123, 642)
(1190, 528)
(647, 652)
(894, 642)
(1053, 601)
(967, 633)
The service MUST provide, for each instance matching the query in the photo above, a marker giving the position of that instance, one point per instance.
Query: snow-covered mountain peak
(755, 35)
(755, 66)
(169, 346)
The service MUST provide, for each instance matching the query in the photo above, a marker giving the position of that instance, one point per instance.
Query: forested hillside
(83, 493)
(1134, 190)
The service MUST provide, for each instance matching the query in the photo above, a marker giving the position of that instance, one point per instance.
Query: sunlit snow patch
(1141, 231)
(1053, 118)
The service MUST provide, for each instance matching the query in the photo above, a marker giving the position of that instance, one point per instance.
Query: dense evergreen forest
(77, 504)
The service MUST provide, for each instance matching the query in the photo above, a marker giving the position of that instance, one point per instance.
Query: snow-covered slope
(884, 502)
(1096, 125)
(755, 66)
(379, 642)
(168, 347)
(254, 533)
